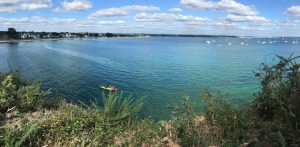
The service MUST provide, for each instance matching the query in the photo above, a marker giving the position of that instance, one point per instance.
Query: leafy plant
(232, 124)
(279, 99)
(31, 97)
(29, 134)
(9, 85)
(8, 93)
(17, 93)
(118, 108)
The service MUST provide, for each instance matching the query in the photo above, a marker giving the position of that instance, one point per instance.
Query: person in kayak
(112, 87)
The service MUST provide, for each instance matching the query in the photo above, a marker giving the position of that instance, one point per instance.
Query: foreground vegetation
(30, 118)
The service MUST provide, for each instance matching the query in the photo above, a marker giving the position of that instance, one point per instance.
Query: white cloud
(182, 20)
(35, 4)
(249, 19)
(111, 22)
(76, 5)
(175, 10)
(57, 9)
(38, 23)
(219, 23)
(289, 22)
(111, 12)
(237, 12)
(293, 11)
(168, 17)
(122, 11)
(153, 23)
(8, 6)
(229, 6)
(231, 21)
(11, 6)
(198, 4)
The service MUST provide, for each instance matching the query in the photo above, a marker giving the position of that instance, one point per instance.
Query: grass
(30, 118)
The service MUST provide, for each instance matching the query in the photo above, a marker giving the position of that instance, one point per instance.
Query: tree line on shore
(29, 117)
(11, 33)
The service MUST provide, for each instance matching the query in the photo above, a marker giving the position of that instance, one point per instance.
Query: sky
(210, 17)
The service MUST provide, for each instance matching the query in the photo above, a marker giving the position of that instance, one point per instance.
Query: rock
(169, 130)
(199, 120)
(165, 139)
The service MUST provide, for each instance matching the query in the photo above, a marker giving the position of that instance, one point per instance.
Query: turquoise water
(159, 68)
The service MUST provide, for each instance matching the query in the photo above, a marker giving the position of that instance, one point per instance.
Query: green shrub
(16, 78)
(233, 124)
(8, 92)
(16, 92)
(279, 99)
(73, 125)
(9, 84)
(143, 132)
(30, 134)
(184, 125)
(117, 108)
(219, 123)
(31, 97)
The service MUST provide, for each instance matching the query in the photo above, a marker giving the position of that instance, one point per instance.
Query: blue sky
(215, 17)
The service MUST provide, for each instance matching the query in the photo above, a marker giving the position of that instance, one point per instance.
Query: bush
(31, 97)
(233, 124)
(279, 99)
(183, 127)
(17, 93)
(73, 125)
(218, 124)
(9, 86)
(8, 93)
(117, 108)
(30, 134)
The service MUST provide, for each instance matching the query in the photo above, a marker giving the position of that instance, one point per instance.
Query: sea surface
(159, 68)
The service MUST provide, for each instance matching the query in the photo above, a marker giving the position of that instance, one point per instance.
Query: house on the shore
(3, 35)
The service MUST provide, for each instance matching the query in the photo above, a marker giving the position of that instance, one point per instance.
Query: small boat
(109, 88)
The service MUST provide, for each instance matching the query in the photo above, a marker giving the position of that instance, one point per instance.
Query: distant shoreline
(24, 40)
(112, 36)
(57, 39)
(14, 36)
(121, 36)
